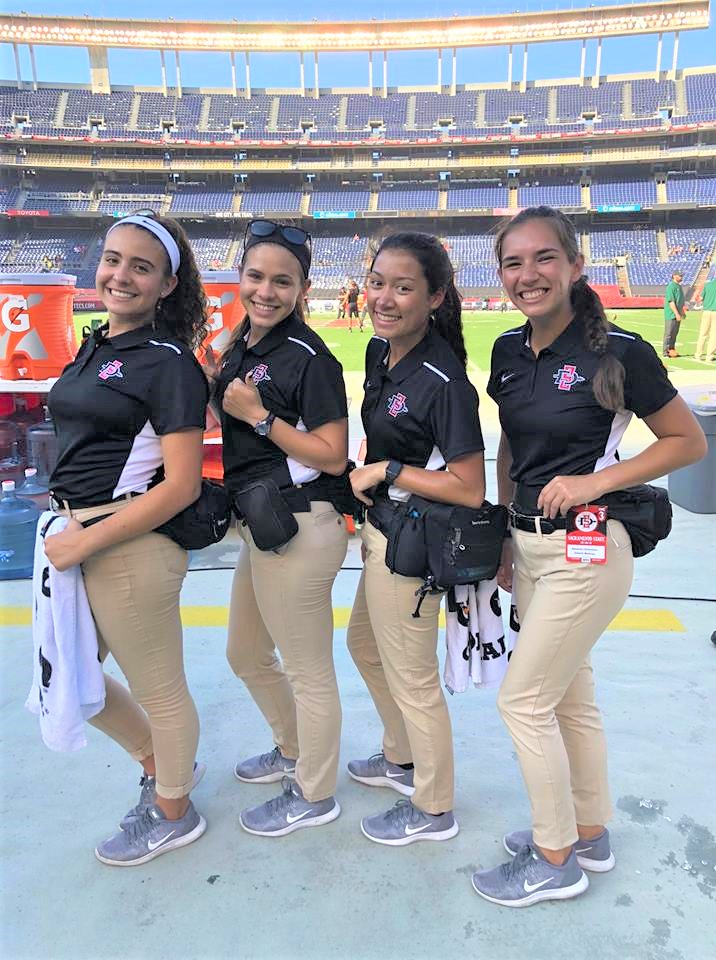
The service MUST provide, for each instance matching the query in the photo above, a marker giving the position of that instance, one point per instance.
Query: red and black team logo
(109, 369)
(567, 376)
(396, 405)
(260, 373)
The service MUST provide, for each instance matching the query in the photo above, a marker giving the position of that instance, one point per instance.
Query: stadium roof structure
(586, 23)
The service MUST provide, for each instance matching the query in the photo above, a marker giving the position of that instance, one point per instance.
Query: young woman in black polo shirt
(284, 419)
(129, 413)
(423, 436)
(567, 384)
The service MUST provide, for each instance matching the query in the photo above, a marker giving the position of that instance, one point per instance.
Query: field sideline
(481, 329)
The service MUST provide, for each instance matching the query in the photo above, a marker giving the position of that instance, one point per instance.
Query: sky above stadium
(406, 68)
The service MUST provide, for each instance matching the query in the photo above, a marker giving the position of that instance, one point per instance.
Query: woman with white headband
(129, 413)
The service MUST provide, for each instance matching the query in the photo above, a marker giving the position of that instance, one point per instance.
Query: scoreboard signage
(619, 208)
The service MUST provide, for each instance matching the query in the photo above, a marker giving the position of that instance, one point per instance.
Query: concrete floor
(329, 893)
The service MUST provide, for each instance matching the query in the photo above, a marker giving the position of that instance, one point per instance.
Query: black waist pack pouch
(203, 522)
(646, 513)
(269, 517)
(464, 545)
(403, 524)
(340, 494)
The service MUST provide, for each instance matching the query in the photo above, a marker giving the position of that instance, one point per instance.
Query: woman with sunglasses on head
(423, 437)
(567, 383)
(284, 421)
(129, 413)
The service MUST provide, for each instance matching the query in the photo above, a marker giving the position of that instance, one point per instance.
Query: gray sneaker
(529, 878)
(404, 823)
(148, 794)
(150, 835)
(288, 812)
(264, 768)
(594, 855)
(376, 771)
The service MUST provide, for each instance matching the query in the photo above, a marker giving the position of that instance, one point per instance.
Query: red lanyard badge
(586, 540)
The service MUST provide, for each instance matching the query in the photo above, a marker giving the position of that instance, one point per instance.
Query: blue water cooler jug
(18, 524)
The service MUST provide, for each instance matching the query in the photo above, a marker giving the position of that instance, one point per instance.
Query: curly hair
(608, 381)
(439, 274)
(183, 313)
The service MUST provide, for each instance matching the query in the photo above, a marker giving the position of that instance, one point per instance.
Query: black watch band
(392, 471)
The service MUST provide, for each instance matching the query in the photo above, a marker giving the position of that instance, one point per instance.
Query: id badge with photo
(586, 540)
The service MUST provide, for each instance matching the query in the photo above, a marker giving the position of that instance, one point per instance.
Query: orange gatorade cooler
(225, 310)
(37, 335)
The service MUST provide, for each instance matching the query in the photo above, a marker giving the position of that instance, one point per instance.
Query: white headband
(160, 232)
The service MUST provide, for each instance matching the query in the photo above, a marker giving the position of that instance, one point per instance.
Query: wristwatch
(263, 427)
(392, 471)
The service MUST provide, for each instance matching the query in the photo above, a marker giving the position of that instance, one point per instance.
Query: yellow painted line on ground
(648, 621)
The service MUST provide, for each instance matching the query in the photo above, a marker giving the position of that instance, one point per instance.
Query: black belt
(520, 521)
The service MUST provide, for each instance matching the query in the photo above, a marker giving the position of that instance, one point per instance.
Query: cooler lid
(39, 279)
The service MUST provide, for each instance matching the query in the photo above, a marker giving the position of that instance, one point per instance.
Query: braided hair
(608, 381)
(439, 274)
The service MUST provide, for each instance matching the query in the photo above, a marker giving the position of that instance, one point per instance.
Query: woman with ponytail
(423, 437)
(567, 383)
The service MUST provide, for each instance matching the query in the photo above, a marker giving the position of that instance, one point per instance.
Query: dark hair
(183, 312)
(439, 275)
(243, 327)
(608, 382)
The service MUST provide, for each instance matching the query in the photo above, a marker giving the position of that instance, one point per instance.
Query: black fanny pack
(269, 517)
(442, 544)
(646, 513)
(203, 522)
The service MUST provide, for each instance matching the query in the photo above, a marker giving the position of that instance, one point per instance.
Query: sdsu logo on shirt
(397, 405)
(111, 368)
(260, 373)
(566, 377)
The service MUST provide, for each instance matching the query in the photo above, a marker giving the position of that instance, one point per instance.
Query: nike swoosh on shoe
(153, 846)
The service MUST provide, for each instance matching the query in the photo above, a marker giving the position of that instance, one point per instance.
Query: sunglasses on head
(267, 228)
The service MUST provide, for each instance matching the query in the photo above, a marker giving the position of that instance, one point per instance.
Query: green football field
(481, 329)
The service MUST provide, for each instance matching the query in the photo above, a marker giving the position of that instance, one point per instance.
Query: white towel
(68, 681)
(477, 650)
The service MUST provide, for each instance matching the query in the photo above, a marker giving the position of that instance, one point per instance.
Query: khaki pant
(283, 601)
(133, 590)
(397, 657)
(547, 698)
(707, 329)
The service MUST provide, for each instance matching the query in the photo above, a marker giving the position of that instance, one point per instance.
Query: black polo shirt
(300, 381)
(111, 406)
(547, 407)
(422, 412)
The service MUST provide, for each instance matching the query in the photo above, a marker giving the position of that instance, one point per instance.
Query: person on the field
(708, 321)
(674, 313)
(566, 383)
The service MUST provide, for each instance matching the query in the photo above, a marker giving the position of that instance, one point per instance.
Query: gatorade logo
(14, 314)
(215, 316)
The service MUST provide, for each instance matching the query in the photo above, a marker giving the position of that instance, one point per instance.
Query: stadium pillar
(99, 69)
(370, 71)
(385, 74)
(509, 67)
(33, 65)
(164, 72)
(675, 57)
(453, 82)
(178, 66)
(598, 68)
(247, 91)
(659, 50)
(18, 73)
(302, 69)
(316, 86)
(523, 85)
(583, 61)
(440, 71)
(233, 72)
